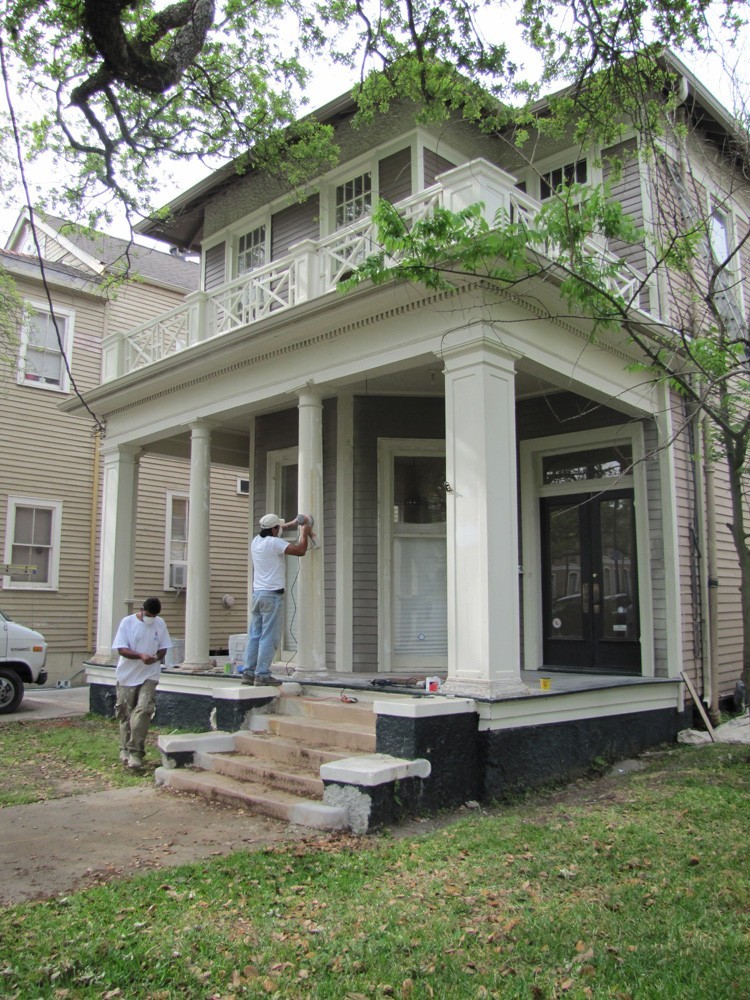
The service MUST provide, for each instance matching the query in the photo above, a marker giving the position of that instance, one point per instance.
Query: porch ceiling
(230, 445)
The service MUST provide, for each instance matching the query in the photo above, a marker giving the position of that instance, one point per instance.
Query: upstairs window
(718, 235)
(251, 250)
(32, 539)
(176, 542)
(353, 199)
(41, 360)
(570, 173)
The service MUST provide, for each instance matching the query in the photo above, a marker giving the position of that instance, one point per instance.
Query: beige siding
(136, 303)
(47, 455)
(728, 575)
(228, 552)
(626, 189)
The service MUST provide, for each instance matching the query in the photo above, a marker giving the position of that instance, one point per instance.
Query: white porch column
(484, 655)
(311, 649)
(119, 503)
(198, 569)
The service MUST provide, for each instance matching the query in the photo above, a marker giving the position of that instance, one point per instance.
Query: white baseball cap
(270, 521)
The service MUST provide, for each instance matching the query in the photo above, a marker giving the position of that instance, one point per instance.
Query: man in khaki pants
(142, 641)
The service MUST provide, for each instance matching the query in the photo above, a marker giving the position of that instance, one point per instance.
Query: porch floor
(560, 683)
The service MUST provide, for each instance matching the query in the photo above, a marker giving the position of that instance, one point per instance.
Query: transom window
(251, 250)
(353, 199)
(611, 462)
(41, 359)
(569, 173)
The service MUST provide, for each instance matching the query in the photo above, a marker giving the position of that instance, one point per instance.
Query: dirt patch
(55, 847)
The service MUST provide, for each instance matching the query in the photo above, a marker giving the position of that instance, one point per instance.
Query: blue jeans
(264, 631)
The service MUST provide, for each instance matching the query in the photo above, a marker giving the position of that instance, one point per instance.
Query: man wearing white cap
(268, 550)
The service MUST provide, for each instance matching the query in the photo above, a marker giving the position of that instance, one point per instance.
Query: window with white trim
(575, 172)
(719, 235)
(45, 341)
(175, 575)
(353, 199)
(32, 543)
(251, 250)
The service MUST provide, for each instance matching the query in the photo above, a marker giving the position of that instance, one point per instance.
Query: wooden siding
(331, 527)
(657, 552)
(47, 455)
(626, 189)
(394, 176)
(300, 221)
(215, 274)
(374, 417)
(136, 302)
(434, 164)
(728, 575)
(159, 476)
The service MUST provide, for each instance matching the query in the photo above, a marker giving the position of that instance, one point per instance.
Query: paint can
(545, 684)
(432, 684)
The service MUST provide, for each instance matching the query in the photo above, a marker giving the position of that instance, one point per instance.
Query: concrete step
(298, 780)
(318, 733)
(267, 747)
(330, 709)
(273, 802)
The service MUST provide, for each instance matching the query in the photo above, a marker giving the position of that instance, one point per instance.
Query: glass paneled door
(590, 604)
(413, 561)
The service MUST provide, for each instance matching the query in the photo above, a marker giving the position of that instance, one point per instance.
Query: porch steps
(276, 772)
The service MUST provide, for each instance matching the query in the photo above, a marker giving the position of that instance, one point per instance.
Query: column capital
(474, 344)
(308, 394)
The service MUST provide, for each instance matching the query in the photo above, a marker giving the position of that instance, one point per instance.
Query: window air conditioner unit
(178, 576)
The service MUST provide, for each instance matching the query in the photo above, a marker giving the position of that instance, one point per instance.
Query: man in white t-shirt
(268, 550)
(142, 640)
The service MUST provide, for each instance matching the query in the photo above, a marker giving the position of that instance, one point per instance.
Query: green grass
(637, 888)
(59, 757)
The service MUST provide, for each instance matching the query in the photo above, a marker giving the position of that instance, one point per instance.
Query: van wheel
(11, 691)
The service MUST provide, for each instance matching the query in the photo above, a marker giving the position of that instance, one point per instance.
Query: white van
(23, 654)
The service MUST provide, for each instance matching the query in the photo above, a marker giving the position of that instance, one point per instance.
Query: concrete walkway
(49, 703)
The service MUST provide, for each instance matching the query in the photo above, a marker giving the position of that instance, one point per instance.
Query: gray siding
(374, 417)
(434, 164)
(626, 189)
(331, 527)
(215, 273)
(394, 176)
(300, 221)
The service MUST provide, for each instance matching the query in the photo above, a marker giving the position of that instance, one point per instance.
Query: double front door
(590, 606)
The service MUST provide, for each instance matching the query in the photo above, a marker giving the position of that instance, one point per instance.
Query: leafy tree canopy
(113, 89)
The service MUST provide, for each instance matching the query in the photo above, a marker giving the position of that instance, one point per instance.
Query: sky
(329, 81)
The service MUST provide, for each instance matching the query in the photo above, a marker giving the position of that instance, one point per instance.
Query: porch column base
(195, 668)
(302, 672)
(478, 688)
(104, 656)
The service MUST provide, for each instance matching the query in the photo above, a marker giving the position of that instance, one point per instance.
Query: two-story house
(497, 497)
(50, 464)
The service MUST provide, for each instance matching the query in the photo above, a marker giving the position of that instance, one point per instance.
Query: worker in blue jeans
(268, 551)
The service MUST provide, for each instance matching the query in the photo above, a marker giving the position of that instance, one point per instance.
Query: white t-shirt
(141, 638)
(268, 562)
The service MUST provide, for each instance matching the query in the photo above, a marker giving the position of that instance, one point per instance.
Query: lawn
(631, 888)
(58, 757)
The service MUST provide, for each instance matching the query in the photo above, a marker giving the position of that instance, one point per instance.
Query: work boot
(135, 761)
(248, 678)
(264, 680)
(124, 755)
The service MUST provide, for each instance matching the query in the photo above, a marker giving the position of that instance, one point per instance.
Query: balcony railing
(314, 267)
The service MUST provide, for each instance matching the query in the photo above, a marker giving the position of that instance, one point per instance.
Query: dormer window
(251, 250)
(570, 173)
(353, 199)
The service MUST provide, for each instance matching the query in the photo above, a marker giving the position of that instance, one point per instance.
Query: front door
(590, 587)
(413, 568)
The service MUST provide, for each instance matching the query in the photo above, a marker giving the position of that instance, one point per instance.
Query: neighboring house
(50, 468)
(494, 494)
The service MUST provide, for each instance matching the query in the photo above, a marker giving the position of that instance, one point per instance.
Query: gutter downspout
(92, 540)
(711, 571)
